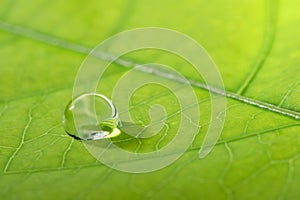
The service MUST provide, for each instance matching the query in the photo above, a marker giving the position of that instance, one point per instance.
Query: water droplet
(91, 116)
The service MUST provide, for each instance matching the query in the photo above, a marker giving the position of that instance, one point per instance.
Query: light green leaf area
(256, 48)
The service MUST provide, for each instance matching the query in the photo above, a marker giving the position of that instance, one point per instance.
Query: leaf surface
(255, 46)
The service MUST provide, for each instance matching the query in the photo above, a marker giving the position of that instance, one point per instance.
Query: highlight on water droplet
(91, 116)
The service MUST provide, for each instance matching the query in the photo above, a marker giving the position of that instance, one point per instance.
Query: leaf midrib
(44, 38)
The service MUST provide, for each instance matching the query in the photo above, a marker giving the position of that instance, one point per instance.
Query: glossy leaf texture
(255, 46)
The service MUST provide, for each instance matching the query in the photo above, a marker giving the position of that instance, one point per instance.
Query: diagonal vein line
(257, 133)
(21, 142)
(18, 30)
(63, 161)
(266, 47)
(222, 142)
(289, 92)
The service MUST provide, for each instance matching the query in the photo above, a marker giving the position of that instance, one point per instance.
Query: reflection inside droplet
(91, 116)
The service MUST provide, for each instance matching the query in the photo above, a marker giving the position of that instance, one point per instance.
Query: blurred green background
(255, 45)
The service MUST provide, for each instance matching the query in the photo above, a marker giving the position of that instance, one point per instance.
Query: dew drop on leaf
(91, 116)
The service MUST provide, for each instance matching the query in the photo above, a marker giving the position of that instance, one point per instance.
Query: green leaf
(255, 46)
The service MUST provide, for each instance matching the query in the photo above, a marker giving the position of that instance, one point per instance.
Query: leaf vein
(266, 47)
(21, 142)
(125, 63)
(66, 153)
